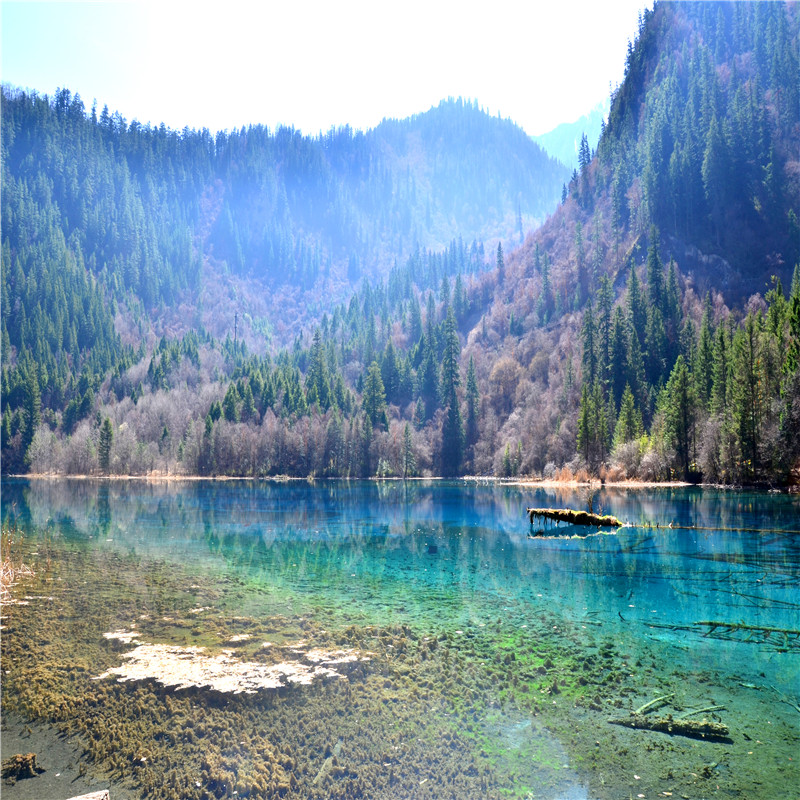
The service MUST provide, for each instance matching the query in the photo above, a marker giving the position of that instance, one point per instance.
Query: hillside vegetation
(638, 332)
(664, 290)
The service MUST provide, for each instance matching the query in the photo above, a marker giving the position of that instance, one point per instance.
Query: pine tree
(501, 265)
(791, 362)
(589, 340)
(230, 405)
(473, 401)
(715, 176)
(637, 309)
(593, 425)
(585, 427)
(390, 373)
(678, 405)
(460, 302)
(374, 397)
(655, 272)
(428, 380)
(444, 292)
(672, 309)
(452, 438)
(249, 411)
(32, 409)
(546, 301)
(746, 397)
(508, 465)
(618, 357)
(415, 322)
(655, 341)
(790, 385)
(317, 377)
(721, 372)
(629, 423)
(452, 428)
(450, 379)
(702, 369)
(605, 303)
(104, 446)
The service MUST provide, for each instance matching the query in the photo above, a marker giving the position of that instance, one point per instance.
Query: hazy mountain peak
(563, 142)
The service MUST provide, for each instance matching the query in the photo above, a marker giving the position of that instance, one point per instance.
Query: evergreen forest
(436, 296)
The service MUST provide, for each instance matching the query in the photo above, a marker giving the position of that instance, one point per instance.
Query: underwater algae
(472, 714)
(397, 731)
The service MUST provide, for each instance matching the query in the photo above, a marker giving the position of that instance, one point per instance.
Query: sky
(313, 64)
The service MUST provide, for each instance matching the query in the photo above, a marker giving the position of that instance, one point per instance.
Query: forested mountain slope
(637, 332)
(146, 208)
(670, 351)
(112, 231)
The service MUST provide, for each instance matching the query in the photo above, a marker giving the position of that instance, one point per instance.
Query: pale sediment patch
(185, 667)
(319, 656)
(126, 637)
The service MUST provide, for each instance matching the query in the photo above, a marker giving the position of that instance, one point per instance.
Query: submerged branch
(681, 727)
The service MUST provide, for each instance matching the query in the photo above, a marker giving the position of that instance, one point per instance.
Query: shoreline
(526, 483)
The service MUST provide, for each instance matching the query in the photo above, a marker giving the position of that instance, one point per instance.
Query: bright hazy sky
(317, 63)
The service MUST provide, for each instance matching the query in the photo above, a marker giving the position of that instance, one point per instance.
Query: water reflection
(450, 552)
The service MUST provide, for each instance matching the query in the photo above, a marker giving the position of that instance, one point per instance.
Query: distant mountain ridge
(161, 214)
(563, 142)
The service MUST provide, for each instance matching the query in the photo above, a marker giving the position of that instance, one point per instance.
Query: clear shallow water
(390, 568)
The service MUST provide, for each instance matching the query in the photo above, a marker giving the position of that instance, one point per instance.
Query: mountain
(155, 212)
(564, 141)
(664, 291)
(115, 232)
(637, 332)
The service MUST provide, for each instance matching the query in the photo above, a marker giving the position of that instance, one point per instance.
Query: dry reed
(13, 568)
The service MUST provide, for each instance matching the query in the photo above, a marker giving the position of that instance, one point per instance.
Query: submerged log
(575, 517)
(695, 729)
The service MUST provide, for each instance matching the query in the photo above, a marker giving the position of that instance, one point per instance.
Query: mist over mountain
(357, 304)
(208, 224)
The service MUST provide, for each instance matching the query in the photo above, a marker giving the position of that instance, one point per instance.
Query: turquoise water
(454, 564)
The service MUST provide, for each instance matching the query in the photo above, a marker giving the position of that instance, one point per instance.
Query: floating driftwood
(574, 517)
(695, 729)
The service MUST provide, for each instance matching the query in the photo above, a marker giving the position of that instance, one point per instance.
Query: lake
(209, 639)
